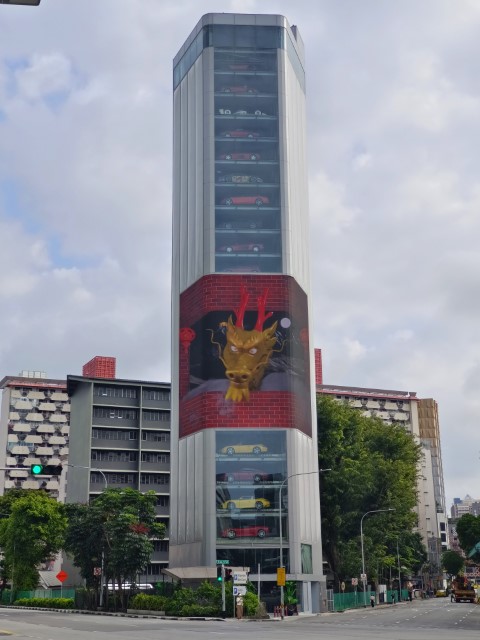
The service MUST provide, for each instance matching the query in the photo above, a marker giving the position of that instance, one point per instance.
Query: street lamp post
(293, 475)
(364, 577)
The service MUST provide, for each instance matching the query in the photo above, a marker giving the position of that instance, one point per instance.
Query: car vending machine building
(243, 399)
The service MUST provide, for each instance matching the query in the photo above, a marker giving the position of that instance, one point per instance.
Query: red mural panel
(244, 356)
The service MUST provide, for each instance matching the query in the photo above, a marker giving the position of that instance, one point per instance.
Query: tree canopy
(452, 562)
(31, 532)
(468, 531)
(115, 530)
(374, 466)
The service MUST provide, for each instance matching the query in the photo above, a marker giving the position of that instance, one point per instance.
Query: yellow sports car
(246, 502)
(244, 448)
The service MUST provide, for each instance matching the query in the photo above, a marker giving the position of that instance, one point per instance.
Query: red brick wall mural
(244, 354)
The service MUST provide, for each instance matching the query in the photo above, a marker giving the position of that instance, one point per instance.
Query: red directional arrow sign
(62, 576)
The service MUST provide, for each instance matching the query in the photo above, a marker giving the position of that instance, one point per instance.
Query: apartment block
(120, 438)
(34, 428)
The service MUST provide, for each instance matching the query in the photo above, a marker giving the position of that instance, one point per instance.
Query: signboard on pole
(240, 577)
(354, 582)
(281, 576)
(239, 591)
(363, 576)
(62, 576)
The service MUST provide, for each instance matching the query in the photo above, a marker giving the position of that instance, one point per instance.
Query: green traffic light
(36, 469)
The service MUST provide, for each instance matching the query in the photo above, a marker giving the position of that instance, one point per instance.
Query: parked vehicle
(248, 246)
(245, 532)
(244, 475)
(239, 88)
(240, 133)
(244, 448)
(239, 179)
(241, 112)
(246, 502)
(253, 268)
(242, 155)
(245, 200)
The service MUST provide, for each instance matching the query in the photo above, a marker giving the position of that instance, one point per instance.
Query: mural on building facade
(248, 350)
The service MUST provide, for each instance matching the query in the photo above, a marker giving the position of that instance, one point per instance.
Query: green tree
(115, 531)
(468, 530)
(373, 466)
(452, 562)
(32, 533)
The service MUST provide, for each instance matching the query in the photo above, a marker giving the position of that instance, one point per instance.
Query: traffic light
(228, 575)
(219, 574)
(45, 469)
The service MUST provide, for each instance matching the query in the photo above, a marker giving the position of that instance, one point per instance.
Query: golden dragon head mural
(247, 352)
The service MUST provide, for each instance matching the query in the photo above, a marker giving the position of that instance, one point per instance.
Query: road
(435, 619)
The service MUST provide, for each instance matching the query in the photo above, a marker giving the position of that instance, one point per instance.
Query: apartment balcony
(157, 447)
(155, 466)
(115, 422)
(162, 511)
(58, 417)
(115, 465)
(47, 406)
(108, 443)
(98, 487)
(159, 556)
(156, 404)
(164, 488)
(110, 401)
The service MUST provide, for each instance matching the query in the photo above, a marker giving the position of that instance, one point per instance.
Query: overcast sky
(393, 99)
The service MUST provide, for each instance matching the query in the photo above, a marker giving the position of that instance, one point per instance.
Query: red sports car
(240, 133)
(240, 88)
(245, 200)
(249, 246)
(249, 155)
(245, 532)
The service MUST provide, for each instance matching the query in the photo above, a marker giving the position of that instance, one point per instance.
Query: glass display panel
(250, 467)
(247, 174)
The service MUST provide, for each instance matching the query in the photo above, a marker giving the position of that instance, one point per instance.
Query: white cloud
(45, 74)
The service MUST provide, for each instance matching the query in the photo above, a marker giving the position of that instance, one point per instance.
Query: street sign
(363, 576)
(97, 571)
(239, 591)
(223, 561)
(354, 582)
(281, 577)
(240, 577)
(62, 576)
(342, 586)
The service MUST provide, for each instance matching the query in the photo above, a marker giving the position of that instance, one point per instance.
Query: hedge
(46, 603)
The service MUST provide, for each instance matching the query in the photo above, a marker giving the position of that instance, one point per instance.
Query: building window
(156, 457)
(155, 436)
(114, 456)
(115, 413)
(155, 394)
(114, 434)
(163, 416)
(114, 392)
(154, 478)
(163, 501)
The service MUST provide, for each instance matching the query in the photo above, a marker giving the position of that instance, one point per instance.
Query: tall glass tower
(245, 486)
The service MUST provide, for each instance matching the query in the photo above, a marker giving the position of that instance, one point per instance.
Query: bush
(46, 603)
(145, 602)
(250, 604)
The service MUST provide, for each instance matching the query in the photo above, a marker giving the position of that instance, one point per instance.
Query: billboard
(244, 354)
